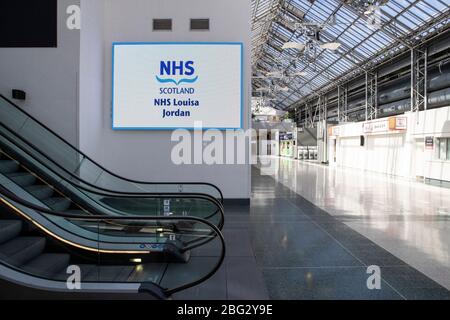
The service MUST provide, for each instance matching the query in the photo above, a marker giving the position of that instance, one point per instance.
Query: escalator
(47, 190)
(59, 210)
(117, 256)
(28, 148)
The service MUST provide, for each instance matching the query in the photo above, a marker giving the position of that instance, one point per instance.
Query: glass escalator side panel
(111, 204)
(75, 162)
(39, 147)
(177, 252)
(171, 253)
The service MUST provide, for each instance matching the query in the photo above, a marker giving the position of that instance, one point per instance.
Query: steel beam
(371, 96)
(419, 79)
(342, 103)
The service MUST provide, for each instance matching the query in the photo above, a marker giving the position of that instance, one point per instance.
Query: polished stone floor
(315, 230)
(239, 277)
(311, 233)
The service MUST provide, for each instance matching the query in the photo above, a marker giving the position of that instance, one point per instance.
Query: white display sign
(376, 126)
(401, 123)
(385, 125)
(163, 86)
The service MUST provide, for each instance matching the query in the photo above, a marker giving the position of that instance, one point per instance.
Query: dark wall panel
(28, 23)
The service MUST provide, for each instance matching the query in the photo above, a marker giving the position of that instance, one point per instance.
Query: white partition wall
(146, 155)
(428, 128)
(409, 148)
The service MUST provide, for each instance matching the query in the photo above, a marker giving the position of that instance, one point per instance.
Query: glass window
(444, 149)
(448, 149)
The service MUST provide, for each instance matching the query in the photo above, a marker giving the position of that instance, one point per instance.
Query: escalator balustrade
(60, 209)
(144, 252)
(59, 164)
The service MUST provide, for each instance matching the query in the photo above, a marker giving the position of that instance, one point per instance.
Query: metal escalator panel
(85, 170)
(64, 196)
(157, 255)
(57, 194)
(43, 154)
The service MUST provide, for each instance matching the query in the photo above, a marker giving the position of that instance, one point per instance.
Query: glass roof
(365, 30)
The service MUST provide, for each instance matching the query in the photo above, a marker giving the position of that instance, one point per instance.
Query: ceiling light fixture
(370, 10)
(274, 74)
(293, 45)
(283, 89)
(300, 74)
(331, 46)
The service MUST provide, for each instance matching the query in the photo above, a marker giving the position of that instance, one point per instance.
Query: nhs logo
(171, 71)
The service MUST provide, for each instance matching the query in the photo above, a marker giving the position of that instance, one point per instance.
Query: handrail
(6, 193)
(191, 245)
(101, 167)
(113, 192)
(117, 194)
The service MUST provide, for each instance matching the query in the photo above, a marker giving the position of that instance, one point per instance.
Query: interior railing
(119, 203)
(88, 171)
(170, 253)
(193, 204)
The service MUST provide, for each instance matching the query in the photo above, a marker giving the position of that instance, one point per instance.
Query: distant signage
(385, 125)
(334, 131)
(286, 136)
(429, 143)
(397, 123)
(376, 127)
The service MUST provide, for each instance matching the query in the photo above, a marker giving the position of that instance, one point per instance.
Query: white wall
(91, 76)
(399, 154)
(49, 76)
(139, 154)
(386, 153)
(265, 146)
(432, 123)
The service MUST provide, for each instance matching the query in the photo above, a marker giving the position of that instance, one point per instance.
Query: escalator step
(23, 179)
(8, 166)
(22, 249)
(48, 264)
(9, 229)
(58, 204)
(40, 191)
(109, 273)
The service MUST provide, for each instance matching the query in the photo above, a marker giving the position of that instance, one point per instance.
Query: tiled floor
(239, 278)
(286, 247)
(322, 252)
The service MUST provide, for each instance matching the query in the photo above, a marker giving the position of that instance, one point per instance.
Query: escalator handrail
(9, 195)
(111, 192)
(191, 245)
(119, 194)
(85, 237)
(101, 167)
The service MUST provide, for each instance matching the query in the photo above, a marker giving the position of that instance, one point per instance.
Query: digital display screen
(28, 23)
(164, 86)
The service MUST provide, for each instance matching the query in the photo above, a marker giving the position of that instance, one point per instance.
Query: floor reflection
(409, 219)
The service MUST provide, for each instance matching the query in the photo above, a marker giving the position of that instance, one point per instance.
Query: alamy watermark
(374, 280)
(73, 21)
(373, 21)
(220, 147)
(73, 282)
